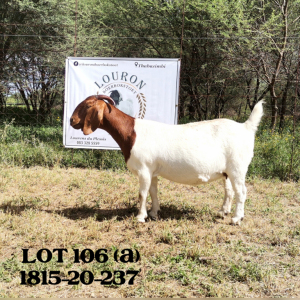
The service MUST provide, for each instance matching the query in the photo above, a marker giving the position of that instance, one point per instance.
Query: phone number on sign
(88, 143)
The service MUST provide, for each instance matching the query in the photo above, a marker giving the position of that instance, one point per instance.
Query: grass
(187, 252)
(41, 145)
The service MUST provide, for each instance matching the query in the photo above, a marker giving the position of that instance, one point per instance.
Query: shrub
(273, 155)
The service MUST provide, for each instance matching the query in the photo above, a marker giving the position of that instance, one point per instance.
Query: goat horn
(104, 97)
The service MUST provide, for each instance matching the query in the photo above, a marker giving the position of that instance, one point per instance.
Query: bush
(273, 154)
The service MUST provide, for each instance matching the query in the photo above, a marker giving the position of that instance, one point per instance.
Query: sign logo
(75, 63)
(125, 90)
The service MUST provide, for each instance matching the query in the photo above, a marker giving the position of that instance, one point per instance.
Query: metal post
(75, 52)
(75, 32)
(294, 114)
(181, 45)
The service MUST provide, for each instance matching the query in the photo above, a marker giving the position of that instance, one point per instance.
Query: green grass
(42, 146)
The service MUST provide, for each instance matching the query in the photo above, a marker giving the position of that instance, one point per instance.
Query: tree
(272, 27)
(35, 41)
(38, 84)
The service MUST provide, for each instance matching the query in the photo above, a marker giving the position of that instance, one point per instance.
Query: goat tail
(255, 117)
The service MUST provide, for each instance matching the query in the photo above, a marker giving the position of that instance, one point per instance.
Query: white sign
(142, 88)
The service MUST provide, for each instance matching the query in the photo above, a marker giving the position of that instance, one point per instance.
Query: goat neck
(121, 127)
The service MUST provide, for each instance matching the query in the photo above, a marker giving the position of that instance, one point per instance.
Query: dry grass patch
(187, 252)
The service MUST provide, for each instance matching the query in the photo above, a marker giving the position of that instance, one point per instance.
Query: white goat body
(192, 154)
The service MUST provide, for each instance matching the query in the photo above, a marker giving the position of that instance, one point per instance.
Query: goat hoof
(152, 216)
(221, 214)
(236, 221)
(141, 219)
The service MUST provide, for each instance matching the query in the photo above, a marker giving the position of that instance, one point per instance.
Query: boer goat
(192, 154)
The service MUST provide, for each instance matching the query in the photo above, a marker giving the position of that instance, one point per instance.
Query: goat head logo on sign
(126, 93)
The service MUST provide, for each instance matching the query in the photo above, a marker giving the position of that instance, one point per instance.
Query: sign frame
(144, 62)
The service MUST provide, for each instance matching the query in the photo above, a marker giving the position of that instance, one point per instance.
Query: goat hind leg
(153, 194)
(240, 192)
(229, 194)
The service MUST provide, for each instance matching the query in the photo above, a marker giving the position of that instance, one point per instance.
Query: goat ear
(91, 121)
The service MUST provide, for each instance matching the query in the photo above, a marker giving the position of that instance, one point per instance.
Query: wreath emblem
(142, 102)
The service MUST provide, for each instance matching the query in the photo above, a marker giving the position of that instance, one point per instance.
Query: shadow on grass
(171, 211)
(84, 212)
(166, 212)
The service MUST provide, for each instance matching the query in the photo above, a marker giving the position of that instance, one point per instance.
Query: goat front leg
(229, 194)
(153, 194)
(145, 182)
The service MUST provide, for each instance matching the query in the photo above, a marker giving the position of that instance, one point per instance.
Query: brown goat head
(88, 115)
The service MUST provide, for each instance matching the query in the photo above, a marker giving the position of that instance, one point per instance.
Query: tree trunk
(23, 95)
(2, 102)
(283, 105)
(274, 108)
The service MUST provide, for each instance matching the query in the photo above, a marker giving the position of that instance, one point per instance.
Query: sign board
(142, 88)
